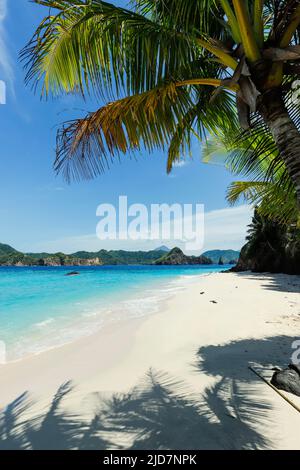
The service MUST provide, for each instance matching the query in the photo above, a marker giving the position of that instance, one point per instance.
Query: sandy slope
(207, 347)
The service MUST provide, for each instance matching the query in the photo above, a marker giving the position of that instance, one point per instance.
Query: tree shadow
(289, 283)
(55, 429)
(162, 413)
(159, 413)
(231, 360)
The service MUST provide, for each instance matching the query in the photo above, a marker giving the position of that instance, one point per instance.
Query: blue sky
(39, 211)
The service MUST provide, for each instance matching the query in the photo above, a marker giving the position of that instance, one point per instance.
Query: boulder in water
(73, 273)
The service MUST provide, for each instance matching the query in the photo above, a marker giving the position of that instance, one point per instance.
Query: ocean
(42, 308)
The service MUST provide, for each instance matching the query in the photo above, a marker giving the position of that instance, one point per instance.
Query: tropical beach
(150, 230)
(193, 351)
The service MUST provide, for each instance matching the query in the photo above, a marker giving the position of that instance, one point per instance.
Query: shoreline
(207, 346)
(157, 296)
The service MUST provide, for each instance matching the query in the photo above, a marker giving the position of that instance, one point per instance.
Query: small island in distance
(9, 256)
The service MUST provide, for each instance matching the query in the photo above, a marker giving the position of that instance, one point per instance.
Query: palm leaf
(253, 154)
(205, 118)
(107, 48)
(86, 146)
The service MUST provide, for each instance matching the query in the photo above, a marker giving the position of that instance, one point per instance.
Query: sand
(177, 379)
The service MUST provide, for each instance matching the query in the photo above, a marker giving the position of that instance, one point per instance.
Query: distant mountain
(163, 248)
(11, 257)
(122, 257)
(177, 257)
(160, 256)
(225, 256)
(6, 249)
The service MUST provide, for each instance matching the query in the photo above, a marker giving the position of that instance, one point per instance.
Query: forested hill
(12, 257)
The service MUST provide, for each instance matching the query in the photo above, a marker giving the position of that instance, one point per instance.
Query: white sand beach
(188, 364)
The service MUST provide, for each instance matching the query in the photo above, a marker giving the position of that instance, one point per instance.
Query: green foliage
(6, 249)
(146, 53)
(227, 256)
(271, 247)
(114, 257)
(9, 256)
(253, 155)
(172, 70)
(177, 257)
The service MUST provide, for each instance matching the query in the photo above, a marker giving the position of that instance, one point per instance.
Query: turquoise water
(41, 308)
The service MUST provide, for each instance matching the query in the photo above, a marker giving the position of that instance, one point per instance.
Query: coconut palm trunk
(285, 133)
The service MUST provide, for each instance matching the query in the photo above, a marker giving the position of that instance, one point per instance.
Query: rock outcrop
(271, 247)
(177, 257)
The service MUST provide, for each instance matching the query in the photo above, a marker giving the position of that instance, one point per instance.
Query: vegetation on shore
(176, 256)
(271, 247)
(11, 257)
(273, 241)
(224, 68)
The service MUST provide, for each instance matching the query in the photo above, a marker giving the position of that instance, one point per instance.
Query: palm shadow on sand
(159, 413)
(289, 283)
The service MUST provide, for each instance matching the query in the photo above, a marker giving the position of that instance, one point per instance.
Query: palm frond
(272, 200)
(86, 146)
(192, 16)
(205, 118)
(253, 154)
(96, 45)
(250, 191)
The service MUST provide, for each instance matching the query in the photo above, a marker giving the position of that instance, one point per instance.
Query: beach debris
(213, 302)
(72, 273)
(287, 379)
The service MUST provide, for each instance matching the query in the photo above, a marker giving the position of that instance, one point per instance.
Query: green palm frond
(279, 203)
(96, 45)
(86, 146)
(253, 155)
(249, 153)
(205, 117)
(189, 16)
(248, 190)
(273, 201)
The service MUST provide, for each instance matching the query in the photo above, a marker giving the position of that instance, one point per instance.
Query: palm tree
(271, 247)
(267, 186)
(170, 69)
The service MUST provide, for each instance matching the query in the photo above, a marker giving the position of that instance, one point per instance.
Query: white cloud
(6, 68)
(224, 229)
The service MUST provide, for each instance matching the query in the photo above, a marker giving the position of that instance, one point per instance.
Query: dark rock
(177, 257)
(271, 247)
(73, 273)
(287, 379)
